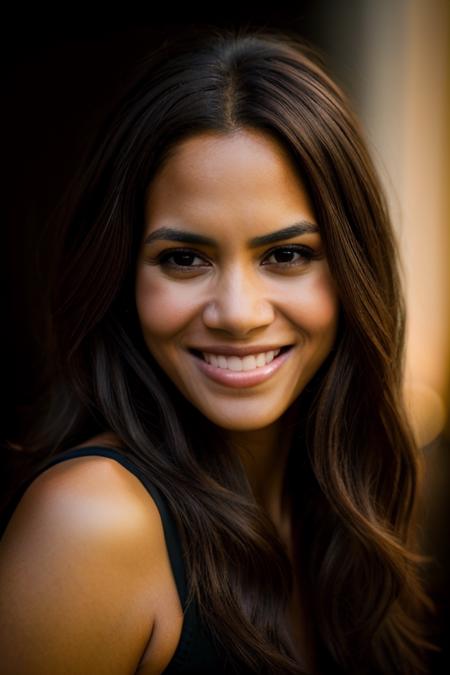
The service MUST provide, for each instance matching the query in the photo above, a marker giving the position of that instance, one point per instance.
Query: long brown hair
(352, 466)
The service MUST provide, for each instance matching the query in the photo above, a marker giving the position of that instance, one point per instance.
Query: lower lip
(242, 378)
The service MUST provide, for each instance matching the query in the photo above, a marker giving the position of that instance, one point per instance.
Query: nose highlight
(238, 307)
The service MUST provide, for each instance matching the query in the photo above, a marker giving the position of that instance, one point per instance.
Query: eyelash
(307, 255)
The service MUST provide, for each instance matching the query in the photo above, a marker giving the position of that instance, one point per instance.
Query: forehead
(244, 174)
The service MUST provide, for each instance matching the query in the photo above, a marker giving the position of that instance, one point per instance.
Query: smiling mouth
(199, 354)
(240, 377)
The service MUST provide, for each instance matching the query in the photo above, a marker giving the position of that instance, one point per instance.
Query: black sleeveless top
(197, 653)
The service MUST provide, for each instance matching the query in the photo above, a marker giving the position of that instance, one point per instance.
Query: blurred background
(63, 73)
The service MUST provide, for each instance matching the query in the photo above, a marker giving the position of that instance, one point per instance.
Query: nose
(239, 304)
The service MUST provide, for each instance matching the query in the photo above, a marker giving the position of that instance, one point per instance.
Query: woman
(230, 475)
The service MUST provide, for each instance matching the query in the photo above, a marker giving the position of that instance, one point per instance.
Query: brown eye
(182, 259)
(285, 255)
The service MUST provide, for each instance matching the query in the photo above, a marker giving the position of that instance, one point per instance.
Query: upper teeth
(249, 362)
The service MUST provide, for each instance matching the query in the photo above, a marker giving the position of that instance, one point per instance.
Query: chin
(242, 421)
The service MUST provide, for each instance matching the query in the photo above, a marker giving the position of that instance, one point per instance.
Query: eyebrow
(173, 234)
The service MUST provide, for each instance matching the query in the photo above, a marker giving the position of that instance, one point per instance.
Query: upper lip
(228, 350)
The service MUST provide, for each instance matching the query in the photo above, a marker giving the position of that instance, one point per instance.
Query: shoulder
(92, 494)
(80, 555)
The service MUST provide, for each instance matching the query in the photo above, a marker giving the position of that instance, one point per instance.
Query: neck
(264, 454)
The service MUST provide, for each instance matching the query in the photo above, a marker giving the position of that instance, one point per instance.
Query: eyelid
(183, 249)
(295, 247)
(201, 254)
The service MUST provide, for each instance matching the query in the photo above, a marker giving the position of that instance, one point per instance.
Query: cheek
(161, 307)
(317, 304)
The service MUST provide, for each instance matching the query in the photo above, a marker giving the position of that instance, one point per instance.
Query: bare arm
(77, 567)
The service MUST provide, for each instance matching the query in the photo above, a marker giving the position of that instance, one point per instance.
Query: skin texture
(84, 558)
(233, 187)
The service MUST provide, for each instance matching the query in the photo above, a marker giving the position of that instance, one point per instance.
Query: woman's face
(232, 292)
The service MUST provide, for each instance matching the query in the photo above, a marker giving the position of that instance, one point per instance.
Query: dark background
(62, 75)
